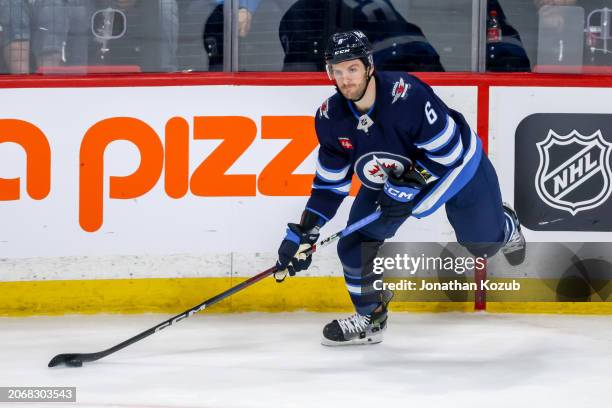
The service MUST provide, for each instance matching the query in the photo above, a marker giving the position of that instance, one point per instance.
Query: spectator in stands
(60, 32)
(151, 36)
(594, 52)
(54, 32)
(202, 32)
(15, 36)
(398, 45)
(505, 51)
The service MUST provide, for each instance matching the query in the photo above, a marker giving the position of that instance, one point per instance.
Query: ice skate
(516, 247)
(359, 329)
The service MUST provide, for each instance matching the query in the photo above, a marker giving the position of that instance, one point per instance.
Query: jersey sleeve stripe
(331, 175)
(452, 182)
(340, 188)
(451, 157)
(317, 213)
(441, 139)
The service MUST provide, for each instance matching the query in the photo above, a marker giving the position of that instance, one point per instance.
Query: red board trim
(292, 78)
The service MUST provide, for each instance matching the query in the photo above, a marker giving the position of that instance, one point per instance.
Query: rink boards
(130, 195)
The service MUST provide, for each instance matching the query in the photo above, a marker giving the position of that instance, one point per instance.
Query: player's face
(351, 78)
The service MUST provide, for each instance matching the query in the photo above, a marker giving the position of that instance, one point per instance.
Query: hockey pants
(475, 213)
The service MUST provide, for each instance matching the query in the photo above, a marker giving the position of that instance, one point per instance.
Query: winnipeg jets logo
(324, 109)
(381, 170)
(574, 173)
(377, 170)
(372, 168)
(400, 89)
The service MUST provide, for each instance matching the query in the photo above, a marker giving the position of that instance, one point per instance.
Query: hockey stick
(77, 359)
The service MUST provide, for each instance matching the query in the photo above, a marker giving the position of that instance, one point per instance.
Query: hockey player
(412, 155)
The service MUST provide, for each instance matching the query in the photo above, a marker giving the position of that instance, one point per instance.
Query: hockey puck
(74, 363)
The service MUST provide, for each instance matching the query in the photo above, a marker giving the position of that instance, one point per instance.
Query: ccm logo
(180, 317)
(401, 195)
(170, 158)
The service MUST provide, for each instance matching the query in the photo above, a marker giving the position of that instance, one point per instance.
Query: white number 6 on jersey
(430, 114)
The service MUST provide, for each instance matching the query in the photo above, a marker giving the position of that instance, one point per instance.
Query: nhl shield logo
(574, 172)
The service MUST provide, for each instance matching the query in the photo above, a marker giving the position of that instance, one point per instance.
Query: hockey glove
(397, 198)
(290, 258)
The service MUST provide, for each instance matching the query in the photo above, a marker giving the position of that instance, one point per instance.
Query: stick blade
(69, 360)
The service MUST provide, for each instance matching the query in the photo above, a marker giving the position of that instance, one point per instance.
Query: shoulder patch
(400, 90)
(324, 110)
(345, 142)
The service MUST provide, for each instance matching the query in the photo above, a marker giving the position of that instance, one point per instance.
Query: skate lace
(354, 324)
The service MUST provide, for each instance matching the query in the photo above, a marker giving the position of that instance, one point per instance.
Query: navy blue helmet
(346, 46)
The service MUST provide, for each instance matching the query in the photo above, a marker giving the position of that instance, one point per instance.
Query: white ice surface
(275, 360)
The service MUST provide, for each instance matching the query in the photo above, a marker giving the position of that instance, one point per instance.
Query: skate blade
(374, 339)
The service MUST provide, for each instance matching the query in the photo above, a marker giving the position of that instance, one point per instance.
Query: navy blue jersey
(407, 124)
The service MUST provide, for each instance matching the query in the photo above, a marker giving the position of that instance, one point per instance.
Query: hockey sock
(359, 279)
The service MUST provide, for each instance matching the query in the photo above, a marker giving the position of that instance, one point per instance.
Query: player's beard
(355, 92)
